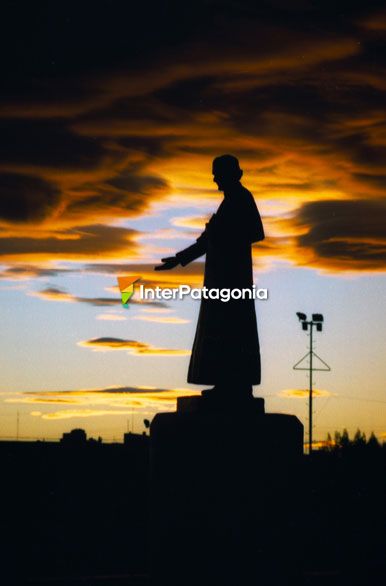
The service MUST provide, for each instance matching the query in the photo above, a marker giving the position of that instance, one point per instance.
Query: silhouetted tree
(342, 440)
(359, 439)
(373, 443)
(343, 443)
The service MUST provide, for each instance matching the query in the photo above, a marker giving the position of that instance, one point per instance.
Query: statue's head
(226, 171)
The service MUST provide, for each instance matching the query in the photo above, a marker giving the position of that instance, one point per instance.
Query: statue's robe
(226, 345)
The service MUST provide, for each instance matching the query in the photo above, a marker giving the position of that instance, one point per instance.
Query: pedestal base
(223, 493)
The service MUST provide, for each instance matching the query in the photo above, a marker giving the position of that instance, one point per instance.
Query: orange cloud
(304, 394)
(134, 347)
(321, 444)
(110, 317)
(81, 413)
(157, 310)
(190, 222)
(162, 319)
(375, 22)
(99, 402)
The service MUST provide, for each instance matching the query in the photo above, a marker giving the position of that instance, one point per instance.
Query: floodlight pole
(311, 323)
(310, 390)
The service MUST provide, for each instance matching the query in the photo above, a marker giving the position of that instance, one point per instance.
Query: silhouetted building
(136, 440)
(74, 437)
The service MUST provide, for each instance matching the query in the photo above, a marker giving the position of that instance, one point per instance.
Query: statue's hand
(168, 263)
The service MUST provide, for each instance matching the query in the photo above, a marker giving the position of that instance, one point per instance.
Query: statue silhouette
(226, 350)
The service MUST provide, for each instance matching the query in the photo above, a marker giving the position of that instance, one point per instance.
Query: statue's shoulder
(247, 197)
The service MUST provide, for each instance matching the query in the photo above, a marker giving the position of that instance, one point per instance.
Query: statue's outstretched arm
(185, 256)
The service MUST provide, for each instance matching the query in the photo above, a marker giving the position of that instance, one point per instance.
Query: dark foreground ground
(76, 514)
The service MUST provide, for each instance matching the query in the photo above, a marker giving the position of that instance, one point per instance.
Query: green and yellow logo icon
(126, 287)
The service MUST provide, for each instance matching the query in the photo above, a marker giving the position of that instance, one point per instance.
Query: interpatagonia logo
(126, 287)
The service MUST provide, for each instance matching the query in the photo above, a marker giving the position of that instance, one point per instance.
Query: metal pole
(310, 366)
(310, 400)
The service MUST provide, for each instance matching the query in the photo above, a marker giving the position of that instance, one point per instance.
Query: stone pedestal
(224, 493)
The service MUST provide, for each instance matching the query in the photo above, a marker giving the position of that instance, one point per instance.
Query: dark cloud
(45, 97)
(61, 295)
(108, 390)
(47, 143)
(150, 146)
(79, 37)
(375, 180)
(22, 271)
(296, 89)
(78, 243)
(77, 176)
(346, 234)
(142, 184)
(183, 94)
(362, 154)
(128, 192)
(138, 268)
(24, 198)
(56, 294)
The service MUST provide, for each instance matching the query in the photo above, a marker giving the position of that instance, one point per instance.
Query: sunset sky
(110, 117)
